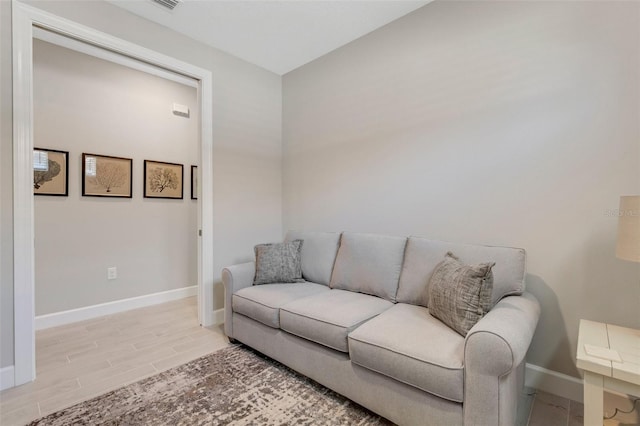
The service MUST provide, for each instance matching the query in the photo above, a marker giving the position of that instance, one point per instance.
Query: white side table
(601, 373)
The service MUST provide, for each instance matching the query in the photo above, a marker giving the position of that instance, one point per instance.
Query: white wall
(85, 104)
(505, 123)
(247, 165)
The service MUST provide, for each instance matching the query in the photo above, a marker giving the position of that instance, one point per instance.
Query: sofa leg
(232, 340)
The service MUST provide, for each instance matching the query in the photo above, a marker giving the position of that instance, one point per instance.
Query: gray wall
(247, 169)
(505, 123)
(6, 193)
(85, 104)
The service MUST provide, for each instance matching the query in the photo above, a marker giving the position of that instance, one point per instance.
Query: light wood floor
(553, 410)
(79, 361)
(83, 360)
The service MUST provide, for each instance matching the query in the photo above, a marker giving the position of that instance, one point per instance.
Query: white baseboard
(218, 316)
(553, 382)
(7, 378)
(81, 314)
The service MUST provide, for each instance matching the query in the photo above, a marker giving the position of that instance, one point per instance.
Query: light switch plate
(112, 273)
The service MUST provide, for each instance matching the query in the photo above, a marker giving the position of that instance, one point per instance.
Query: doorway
(25, 19)
(104, 237)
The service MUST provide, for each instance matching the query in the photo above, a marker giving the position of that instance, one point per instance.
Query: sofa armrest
(235, 278)
(494, 348)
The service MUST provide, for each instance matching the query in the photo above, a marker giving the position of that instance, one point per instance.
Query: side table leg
(593, 394)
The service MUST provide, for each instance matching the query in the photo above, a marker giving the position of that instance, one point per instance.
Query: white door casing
(23, 20)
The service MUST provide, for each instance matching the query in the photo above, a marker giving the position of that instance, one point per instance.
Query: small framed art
(163, 180)
(105, 176)
(194, 182)
(50, 172)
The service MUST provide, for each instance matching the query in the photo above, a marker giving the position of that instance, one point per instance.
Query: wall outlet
(112, 273)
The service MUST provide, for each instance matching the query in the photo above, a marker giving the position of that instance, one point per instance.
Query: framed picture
(50, 172)
(194, 182)
(163, 180)
(105, 176)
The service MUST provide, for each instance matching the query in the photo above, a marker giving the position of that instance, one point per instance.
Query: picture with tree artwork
(162, 180)
(50, 172)
(105, 176)
(109, 176)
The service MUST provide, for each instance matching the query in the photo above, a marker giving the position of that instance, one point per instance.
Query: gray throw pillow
(278, 263)
(459, 294)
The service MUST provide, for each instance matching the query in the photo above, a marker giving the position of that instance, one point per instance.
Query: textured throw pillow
(278, 263)
(459, 294)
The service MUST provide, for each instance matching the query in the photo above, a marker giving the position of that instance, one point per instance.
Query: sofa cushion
(369, 264)
(422, 256)
(262, 302)
(459, 294)
(318, 254)
(409, 345)
(278, 263)
(326, 318)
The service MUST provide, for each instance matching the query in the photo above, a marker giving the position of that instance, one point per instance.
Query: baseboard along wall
(7, 374)
(7, 378)
(553, 382)
(94, 311)
(218, 316)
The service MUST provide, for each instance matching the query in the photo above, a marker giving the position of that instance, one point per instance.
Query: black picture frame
(161, 176)
(45, 180)
(107, 176)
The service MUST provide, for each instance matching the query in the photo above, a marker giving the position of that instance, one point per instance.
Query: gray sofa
(359, 325)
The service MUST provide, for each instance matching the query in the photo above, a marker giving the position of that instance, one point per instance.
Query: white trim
(218, 316)
(553, 382)
(205, 200)
(24, 18)
(99, 53)
(102, 309)
(23, 232)
(7, 377)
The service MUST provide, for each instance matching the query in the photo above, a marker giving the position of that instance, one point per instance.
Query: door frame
(24, 18)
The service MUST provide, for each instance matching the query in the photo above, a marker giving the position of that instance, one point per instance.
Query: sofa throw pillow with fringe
(459, 294)
(278, 263)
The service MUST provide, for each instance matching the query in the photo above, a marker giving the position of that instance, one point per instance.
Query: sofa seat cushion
(327, 318)
(411, 346)
(263, 302)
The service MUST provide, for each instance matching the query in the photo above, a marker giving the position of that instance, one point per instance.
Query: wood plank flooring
(553, 410)
(79, 361)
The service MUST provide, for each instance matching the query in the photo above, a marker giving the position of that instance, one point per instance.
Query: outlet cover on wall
(112, 273)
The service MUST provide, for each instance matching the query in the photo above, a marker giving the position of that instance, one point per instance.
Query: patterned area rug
(232, 386)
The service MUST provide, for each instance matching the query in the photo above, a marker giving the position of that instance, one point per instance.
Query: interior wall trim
(218, 316)
(553, 382)
(7, 377)
(88, 312)
(24, 19)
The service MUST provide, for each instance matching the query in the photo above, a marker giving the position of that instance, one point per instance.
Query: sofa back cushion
(370, 264)
(422, 256)
(319, 251)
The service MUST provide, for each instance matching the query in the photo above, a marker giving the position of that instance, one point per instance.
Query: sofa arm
(235, 278)
(494, 348)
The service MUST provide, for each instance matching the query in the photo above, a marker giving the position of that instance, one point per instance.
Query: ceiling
(277, 35)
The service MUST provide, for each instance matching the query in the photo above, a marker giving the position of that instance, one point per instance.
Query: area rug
(232, 386)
